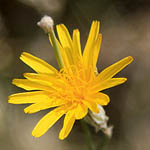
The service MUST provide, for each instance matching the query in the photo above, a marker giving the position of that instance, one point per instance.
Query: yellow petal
(91, 105)
(96, 50)
(68, 124)
(101, 98)
(29, 97)
(70, 56)
(108, 84)
(45, 78)
(76, 41)
(37, 107)
(88, 51)
(30, 85)
(67, 44)
(93, 54)
(81, 111)
(48, 121)
(64, 36)
(50, 80)
(112, 70)
(43, 105)
(37, 64)
(77, 47)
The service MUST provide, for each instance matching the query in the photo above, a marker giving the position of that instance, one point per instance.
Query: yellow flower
(72, 90)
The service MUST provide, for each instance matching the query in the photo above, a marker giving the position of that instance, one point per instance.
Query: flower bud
(46, 23)
(99, 121)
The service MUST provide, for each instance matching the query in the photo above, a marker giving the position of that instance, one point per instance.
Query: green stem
(87, 135)
(104, 141)
(52, 38)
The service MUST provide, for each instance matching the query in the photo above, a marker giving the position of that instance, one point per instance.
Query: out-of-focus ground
(125, 26)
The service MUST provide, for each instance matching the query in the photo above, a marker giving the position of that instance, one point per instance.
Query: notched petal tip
(76, 30)
(27, 111)
(10, 101)
(99, 36)
(36, 135)
(14, 81)
(28, 75)
(23, 54)
(95, 21)
(106, 101)
(124, 80)
(62, 26)
(61, 137)
(130, 58)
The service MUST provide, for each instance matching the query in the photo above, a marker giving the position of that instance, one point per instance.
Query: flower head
(74, 89)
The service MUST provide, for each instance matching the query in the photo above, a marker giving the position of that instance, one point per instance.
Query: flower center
(75, 84)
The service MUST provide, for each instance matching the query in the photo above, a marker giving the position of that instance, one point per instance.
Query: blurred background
(125, 26)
